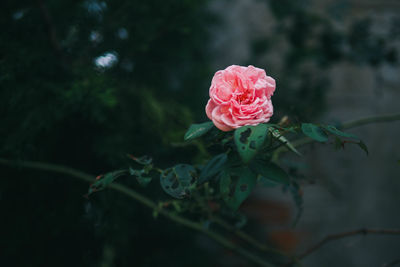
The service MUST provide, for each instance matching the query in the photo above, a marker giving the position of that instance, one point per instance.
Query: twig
(368, 120)
(253, 242)
(343, 126)
(247, 238)
(332, 237)
(143, 200)
(392, 263)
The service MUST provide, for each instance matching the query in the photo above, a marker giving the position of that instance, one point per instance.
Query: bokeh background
(83, 83)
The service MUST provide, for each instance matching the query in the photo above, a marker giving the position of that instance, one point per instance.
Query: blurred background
(83, 83)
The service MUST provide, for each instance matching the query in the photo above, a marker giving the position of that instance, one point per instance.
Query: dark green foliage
(238, 172)
(335, 131)
(54, 88)
(144, 160)
(249, 139)
(197, 130)
(314, 132)
(59, 107)
(339, 143)
(213, 167)
(270, 171)
(264, 182)
(285, 8)
(142, 176)
(179, 180)
(104, 180)
(236, 185)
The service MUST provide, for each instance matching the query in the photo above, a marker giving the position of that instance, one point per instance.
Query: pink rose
(240, 96)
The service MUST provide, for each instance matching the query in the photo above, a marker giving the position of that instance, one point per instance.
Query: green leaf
(276, 134)
(266, 182)
(102, 181)
(236, 186)
(179, 180)
(270, 171)
(335, 131)
(143, 181)
(363, 146)
(212, 167)
(340, 144)
(144, 160)
(141, 176)
(224, 184)
(197, 130)
(314, 132)
(249, 139)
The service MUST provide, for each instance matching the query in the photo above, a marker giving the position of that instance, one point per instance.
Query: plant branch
(247, 238)
(332, 237)
(253, 242)
(392, 263)
(342, 126)
(369, 120)
(144, 201)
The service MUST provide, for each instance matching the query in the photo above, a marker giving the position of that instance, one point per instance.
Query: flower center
(243, 96)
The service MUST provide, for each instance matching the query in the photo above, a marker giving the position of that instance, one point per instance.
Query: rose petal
(209, 108)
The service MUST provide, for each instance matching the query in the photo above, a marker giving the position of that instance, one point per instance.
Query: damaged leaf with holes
(249, 140)
(236, 185)
(179, 180)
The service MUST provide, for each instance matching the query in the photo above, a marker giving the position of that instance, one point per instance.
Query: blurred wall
(351, 190)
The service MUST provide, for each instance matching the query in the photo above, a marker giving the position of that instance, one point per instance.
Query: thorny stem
(343, 126)
(253, 242)
(245, 237)
(363, 231)
(332, 237)
(392, 263)
(368, 120)
(144, 201)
